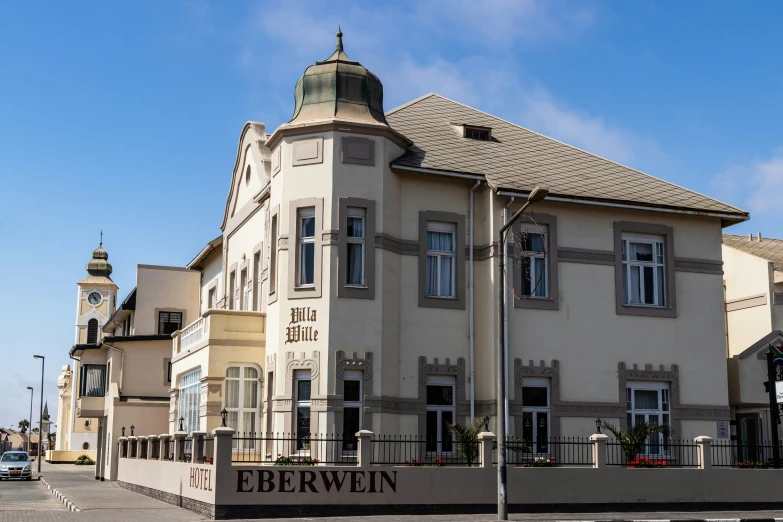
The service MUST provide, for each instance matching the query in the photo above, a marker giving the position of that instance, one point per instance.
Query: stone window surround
(627, 227)
(244, 265)
(458, 302)
(343, 290)
(345, 362)
(231, 293)
(256, 277)
(552, 302)
(273, 253)
(461, 404)
(182, 311)
(304, 292)
(213, 286)
(285, 403)
(671, 377)
(166, 363)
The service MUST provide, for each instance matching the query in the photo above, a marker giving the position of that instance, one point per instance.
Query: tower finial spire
(339, 47)
(101, 243)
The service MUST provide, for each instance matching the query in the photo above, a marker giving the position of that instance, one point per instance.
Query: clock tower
(96, 300)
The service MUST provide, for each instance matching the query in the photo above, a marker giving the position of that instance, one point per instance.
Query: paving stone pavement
(22, 501)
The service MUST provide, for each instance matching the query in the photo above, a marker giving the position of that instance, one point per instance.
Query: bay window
(441, 241)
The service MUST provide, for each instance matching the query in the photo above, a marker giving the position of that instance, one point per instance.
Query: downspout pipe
(470, 300)
(504, 253)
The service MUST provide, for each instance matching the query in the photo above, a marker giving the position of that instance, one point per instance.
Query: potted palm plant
(633, 440)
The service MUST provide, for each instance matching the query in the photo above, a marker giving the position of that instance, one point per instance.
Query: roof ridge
(567, 145)
(412, 102)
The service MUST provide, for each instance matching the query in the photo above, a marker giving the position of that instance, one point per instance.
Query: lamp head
(30, 388)
(537, 194)
(598, 424)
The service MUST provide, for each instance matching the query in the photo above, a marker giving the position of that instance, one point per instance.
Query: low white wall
(195, 481)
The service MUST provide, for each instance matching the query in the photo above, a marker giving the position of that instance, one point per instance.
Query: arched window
(241, 400)
(92, 331)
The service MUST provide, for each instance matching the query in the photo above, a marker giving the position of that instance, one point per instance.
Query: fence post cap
(132, 437)
(364, 434)
(141, 437)
(153, 437)
(180, 434)
(222, 431)
(122, 439)
(599, 437)
(486, 435)
(701, 439)
(198, 433)
(165, 436)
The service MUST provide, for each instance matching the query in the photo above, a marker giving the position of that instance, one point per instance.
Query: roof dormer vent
(474, 132)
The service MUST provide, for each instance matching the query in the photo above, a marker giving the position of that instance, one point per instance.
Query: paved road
(22, 501)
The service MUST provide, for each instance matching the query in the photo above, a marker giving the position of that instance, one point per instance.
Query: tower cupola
(99, 264)
(340, 88)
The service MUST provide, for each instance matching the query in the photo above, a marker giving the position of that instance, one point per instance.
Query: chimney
(750, 237)
(759, 236)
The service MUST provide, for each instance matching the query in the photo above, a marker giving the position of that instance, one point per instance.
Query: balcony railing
(192, 333)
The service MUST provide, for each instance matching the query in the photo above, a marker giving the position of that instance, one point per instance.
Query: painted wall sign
(723, 429)
(296, 332)
(779, 391)
(307, 481)
(201, 479)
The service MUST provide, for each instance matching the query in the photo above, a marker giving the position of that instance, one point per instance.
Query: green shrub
(84, 460)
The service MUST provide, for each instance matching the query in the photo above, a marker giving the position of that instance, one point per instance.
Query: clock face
(94, 298)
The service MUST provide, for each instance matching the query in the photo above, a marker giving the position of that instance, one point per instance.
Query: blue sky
(124, 116)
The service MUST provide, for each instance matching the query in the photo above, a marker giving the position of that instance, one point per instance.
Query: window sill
(452, 298)
(646, 311)
(434, 301)
(537, 303)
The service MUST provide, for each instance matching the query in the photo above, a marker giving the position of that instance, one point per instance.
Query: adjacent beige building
(754, 319)
(355, 281)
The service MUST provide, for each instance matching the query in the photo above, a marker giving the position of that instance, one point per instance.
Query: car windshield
(14, 457)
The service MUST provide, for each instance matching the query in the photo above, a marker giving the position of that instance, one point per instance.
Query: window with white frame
(441, 241)
(648, 402)
(302, 409)
(535, 265)
(535, 414)
(644, 270)
(354, 273)
(244, 304)
(190, 400)
(440, 413)
(352, 409)
(305, 267)
(241, 402)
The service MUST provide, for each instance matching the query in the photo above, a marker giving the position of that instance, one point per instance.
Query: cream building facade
(754, 310)
(355, 281)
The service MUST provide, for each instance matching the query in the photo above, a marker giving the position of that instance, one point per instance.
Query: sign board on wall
(779, 391)
(723, 429)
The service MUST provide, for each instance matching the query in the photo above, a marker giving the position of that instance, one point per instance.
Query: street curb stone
(62, 498)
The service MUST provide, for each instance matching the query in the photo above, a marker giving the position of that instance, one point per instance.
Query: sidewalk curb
(62, 498)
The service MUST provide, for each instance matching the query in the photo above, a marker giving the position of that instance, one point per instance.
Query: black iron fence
(208, 451)
(289, 449)
(168, 449)
(187, 450)
(744, 454)
(662, 453)
(549, 453)
(414, 450)
(144, 446)
(154, 452)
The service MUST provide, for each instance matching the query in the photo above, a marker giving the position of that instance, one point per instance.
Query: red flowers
(643, 462)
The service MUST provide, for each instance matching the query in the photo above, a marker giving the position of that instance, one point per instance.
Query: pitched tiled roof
(517, 159)
(769, 249)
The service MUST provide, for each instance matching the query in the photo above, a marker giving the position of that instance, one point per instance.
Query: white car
(16, 465)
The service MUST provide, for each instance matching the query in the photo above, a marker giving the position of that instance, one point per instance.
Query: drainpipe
(472, 333)
(504, 253)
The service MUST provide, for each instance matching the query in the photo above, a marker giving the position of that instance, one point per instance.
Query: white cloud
(757, 184)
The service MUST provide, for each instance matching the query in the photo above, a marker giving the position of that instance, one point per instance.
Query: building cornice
(337, 125)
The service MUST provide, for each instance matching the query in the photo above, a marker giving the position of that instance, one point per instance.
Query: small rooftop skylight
(478, 133)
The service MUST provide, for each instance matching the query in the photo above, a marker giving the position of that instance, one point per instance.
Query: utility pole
(774, 414)
(537, 194)
(30, 422)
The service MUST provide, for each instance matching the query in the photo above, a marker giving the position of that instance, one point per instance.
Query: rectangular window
(270, 391)
(305, 247)
(211, 298)
(477, 133)
(648, 402)
(169, 322)
(302, 410)
(168, 372)
(273, 256)
(533, 243)
(440, 413)
(440, 259)
(243, 302)
(241, 404)
(644, 270)
(232, 283)
(190, 400)
(352, 409)
(257, 281)
(354, 273)
(535, 414)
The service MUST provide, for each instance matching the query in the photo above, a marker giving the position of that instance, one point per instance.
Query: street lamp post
(30, 422)
(538, 194)
(40, 412)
